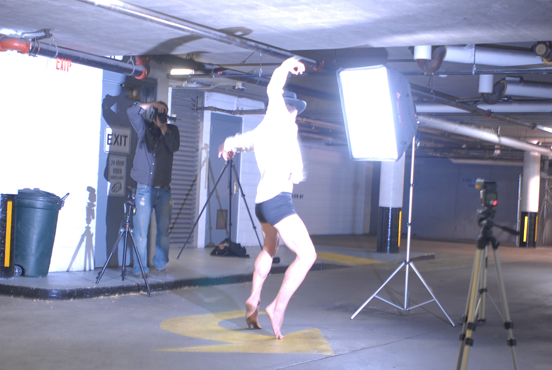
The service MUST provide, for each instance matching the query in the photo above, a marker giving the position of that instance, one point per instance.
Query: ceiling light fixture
(182, 72)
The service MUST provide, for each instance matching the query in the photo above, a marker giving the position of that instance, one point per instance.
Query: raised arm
(275, 88)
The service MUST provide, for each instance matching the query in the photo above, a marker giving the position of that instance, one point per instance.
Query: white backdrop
(50, 129)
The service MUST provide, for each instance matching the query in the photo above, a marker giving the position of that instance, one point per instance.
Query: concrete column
(390, 206)
(530, 189)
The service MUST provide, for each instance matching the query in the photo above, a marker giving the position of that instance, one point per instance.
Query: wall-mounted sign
(117, 175)
(63, 64)
(117, 140)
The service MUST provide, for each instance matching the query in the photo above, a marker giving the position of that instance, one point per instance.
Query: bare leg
(263, 264)
(296, 237)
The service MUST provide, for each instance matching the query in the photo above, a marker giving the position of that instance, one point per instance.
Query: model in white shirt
(276, 148)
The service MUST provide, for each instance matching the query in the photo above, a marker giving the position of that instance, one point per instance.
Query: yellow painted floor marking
(346, 260)
(207, 327)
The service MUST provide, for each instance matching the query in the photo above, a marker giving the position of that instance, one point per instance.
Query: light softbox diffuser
(379, 114)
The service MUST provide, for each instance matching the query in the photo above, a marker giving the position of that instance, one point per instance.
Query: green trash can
(35, 230)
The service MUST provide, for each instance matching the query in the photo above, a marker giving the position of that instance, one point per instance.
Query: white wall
(332, 199)
(50, 139)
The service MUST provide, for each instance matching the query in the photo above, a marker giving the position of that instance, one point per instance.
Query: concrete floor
(201, 325)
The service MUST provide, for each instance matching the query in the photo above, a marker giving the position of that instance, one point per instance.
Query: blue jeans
(147, 199)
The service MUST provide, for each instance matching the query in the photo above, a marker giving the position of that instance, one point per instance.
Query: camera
(131, 194)
(488, 192)
(163, 117)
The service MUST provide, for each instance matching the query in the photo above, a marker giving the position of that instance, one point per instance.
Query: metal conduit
(35, 48)
(476, 110)
(502, 107)
(472, 54)
(196, 29)
(90, 60)
(456, 128)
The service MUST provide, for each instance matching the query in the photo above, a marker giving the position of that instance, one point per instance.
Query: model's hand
(225, 154)
(292, 65)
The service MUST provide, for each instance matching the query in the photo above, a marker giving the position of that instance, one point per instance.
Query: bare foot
(276, 320)
(251, 313)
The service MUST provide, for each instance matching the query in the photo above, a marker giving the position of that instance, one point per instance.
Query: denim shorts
(276, 209)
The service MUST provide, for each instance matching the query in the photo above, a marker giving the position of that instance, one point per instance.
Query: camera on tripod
(488, 192)
(129, 206)
(131, 194)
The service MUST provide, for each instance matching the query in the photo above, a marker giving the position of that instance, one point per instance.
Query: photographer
(152, 170)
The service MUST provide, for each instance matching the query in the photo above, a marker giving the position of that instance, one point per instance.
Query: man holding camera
(152, 170)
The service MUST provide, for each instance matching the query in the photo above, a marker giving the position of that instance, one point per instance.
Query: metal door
(225, 197)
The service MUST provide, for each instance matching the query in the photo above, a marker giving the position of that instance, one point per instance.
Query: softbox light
(379, 114)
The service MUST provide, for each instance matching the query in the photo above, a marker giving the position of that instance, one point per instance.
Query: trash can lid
(37, 194)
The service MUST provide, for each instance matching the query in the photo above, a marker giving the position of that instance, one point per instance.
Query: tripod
(125, 231)
(475, 305)
(407, 263)
(229, 163)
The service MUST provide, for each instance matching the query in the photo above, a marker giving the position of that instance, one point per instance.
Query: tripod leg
(483, 287)
(125, 244)
(203, 209)
(377, 291)
(246, 206)
(140, 263)
(110, 255)
(430, 292)
(469, 325)
(508, 323)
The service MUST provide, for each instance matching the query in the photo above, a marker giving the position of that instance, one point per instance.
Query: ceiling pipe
(516, 86)
(22, 46)
(196, 29)
(140, 69)
(480, 71)
(433, 63)
(471, 54)
(472, 109)
(486, 84)
(544, 50)
(422, 52)
(503, 107)
(485, 135)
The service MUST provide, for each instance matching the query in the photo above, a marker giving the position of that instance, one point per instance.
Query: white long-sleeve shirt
(276, 148)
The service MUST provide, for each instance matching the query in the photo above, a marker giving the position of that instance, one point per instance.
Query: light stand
(126, 231)
(229, 163)
(475, 305)
(407, 263)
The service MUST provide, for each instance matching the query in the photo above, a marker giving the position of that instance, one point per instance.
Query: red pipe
(11, 43)
(433, 65)
(143, 61)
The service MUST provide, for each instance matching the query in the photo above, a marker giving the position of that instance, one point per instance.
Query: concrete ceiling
(341, 33)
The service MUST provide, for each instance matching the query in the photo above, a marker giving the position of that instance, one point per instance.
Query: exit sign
(63, 64)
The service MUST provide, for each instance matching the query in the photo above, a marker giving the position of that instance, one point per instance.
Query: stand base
(125, 231)
(406, 306)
